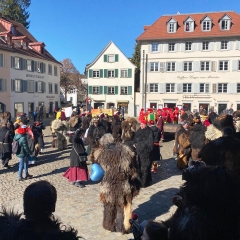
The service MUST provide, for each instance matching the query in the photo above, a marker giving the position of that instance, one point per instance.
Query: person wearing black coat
(38, 134)
(143, 142)
(155, 154)
(78, 171)
(6, 139)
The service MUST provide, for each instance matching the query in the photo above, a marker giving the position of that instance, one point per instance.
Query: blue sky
(80, 29)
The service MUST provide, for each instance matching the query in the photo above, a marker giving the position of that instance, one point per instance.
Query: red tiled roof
(18, 38)
(4, 33)
(36, 43)
(158, 30)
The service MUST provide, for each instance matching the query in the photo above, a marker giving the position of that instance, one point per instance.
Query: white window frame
(222, 64)
(29, 65)
(55, 88)
(2, 60)
(171, 67)
(95, 90)
(40, 87)
(223, 87)
(31, 86)
(111, 58)
(172, 26)
(171, 87)
(206, 25)
(110, 90)
(187, 87)
(124, 73)
(154, 66)
(206, 88)
(96, 73)
(50, 88)
(191, 26)
(39, 67)
(110, 73)
(224, 45)
(153, 88)
(227, 24)
(50, 67)
(188, 66)
(205, 66)
(154, 47)
(18, 85)
(205, 46)
(123, 90)
(55, 70)
(171, 47)
(188, 46)
(17, 63)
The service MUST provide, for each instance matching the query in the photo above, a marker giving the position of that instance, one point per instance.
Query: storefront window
(187, 107)
(18, 108)
(153, 105)
(170, 105)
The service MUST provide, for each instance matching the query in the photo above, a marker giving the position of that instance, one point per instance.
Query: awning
(122, 101)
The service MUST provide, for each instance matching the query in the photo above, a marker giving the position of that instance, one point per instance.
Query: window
(225, 24)
(29, 65)
(189, 26)
(172, 27)
(95, 90)
(55, 71)
(18, 84)
(154, 47)
(50, 88)
(238, 88)
(206, 25)
(171, 47)
(111, 58)
(39, 67)
(96, 73)
(222, 87)
(224, 45)
(56, 88)
(205, 66)
(154, 66)
(17, 63)
(171, 67)
(204, 87)
(50, 69)
(110, 73)
(153, 87)
(187, 87)
(124, 73)
(205, 46)
(123, 90)
(170, 87)
(40, 87)
(188, 46)
(223, 65)
(110, 90)
(2, 60)
(30, 86)
(187, 66)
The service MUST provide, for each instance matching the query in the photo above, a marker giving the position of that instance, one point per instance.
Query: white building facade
(111, 80)
(193, 61)
(29, 74)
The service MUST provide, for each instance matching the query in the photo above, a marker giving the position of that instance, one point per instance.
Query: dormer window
(13, 30)
(206, 24)
(172, 26)
(189, 25)
(225, 22)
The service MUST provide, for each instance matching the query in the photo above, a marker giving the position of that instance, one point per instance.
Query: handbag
(80, 158)
(1, 143)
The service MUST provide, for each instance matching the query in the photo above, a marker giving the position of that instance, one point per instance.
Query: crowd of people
(206, 148)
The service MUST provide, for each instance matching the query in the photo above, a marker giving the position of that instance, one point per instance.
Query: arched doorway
(2, 107)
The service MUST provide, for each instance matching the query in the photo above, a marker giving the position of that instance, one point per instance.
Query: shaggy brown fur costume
(119, 185)
(128, 129)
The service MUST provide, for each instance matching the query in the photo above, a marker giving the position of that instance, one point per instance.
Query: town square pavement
(81, 208)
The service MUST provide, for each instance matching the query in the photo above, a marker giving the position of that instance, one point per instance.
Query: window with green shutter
(89, 89)
(105, 58)
(90, 73)
(129, 90)
(105, 73)
(101, 73)
(101, 90)
(116, 90)
(105, 90)
(116, 73)
(129, 73)
(116, 57)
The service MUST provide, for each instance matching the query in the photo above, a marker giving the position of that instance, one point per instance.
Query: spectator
(40, 113)
(155, 231)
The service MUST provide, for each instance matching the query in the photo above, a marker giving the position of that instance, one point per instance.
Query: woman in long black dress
(78, 171)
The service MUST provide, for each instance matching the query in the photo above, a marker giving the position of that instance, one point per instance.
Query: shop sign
(50, 96)
(196, 77)
(34, 76)
(196, 96)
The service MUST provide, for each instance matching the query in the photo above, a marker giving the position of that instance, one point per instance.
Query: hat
(24, 120)
(143, 121)
(151, 122)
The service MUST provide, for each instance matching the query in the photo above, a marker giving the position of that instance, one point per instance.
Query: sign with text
(96, 112)
(34, 76)
(197, 77)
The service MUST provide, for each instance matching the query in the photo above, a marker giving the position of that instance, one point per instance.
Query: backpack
(15, 147)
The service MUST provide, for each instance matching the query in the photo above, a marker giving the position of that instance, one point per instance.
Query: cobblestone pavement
(81, 208)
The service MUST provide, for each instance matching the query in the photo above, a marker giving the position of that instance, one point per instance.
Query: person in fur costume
(59, 129)
(85, 122)
(120, 183)
(39, 201)
(116, 128)
(210, 206)
(197, 140)
(128, 129)
(74, 124)
(143, 142)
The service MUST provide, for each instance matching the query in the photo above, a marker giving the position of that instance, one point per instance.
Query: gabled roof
(158, 30)
(171, 20)
(189, 18)
(103, 51)
(225, 16)
(206, 17)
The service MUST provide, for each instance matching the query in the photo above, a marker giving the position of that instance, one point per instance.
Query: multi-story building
(29, 74)
(193, 60)
(111, 80)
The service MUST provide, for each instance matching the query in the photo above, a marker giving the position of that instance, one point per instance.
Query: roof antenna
(178, 13)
